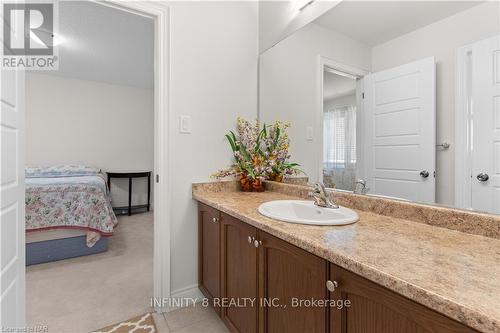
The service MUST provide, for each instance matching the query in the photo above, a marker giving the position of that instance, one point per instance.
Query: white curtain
(339, 138)
(339, 147)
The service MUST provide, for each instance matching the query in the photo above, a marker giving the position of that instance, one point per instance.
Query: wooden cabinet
(260, 283)
(209, 251)
(375, 309)
(239, 275)
(293, 277)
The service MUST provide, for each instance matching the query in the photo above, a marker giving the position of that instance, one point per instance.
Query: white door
(400, 131)
(12, 262)
(486, 125)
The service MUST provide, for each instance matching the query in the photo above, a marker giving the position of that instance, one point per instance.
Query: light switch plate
(309, 133)
(185, 124)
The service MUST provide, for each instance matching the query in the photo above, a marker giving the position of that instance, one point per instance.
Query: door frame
(162, 118)
(348, 69)
(463, 124)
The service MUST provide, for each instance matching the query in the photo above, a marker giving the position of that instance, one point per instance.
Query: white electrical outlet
(185, 124)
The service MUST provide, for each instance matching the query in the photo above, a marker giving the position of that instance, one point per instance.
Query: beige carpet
(140, 324)
(85, 293)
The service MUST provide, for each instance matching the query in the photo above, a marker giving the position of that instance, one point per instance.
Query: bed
(68, 213)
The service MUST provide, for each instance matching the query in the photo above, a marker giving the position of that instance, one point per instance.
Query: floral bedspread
(69, 200)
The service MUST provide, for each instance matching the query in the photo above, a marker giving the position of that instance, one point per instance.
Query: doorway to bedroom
(89, 164)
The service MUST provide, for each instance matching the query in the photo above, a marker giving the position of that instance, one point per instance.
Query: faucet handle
(361, 182)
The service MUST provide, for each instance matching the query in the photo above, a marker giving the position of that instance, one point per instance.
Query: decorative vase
(276, 177)
(258, 186)
(251, 185)
(245, 184)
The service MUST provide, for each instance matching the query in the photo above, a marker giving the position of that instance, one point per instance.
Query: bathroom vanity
(382, 274)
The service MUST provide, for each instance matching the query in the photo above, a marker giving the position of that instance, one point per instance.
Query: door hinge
(157, 178)
(363, 95)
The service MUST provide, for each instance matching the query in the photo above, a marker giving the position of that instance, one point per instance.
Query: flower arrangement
(259, 154)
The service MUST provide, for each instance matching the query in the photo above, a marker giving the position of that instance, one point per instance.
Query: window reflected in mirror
(339, 130)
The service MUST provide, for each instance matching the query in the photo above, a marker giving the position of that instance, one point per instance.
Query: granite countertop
(454, 273)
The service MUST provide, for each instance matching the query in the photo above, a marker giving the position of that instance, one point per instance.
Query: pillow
(60, 171)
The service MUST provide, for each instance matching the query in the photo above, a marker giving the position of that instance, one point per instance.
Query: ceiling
(375, 22)
(335, 86)
(104, 44)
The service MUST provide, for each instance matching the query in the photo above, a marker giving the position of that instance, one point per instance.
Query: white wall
(289, 78)
(339, 101)
(280, 19)
(70, 121)
(214, 51)
(440, 40)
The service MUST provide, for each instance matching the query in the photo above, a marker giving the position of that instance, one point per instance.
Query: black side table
(130, 175)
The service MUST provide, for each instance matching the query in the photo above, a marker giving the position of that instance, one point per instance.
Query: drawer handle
(331, 285)
(215, 219)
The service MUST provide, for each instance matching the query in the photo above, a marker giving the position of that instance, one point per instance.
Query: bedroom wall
(440, 40)
(70, 121)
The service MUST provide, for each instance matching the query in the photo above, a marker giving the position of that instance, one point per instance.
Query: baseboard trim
(188, 292)
(185, 297)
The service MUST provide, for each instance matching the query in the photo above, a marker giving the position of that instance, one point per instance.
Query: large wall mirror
(397, 98)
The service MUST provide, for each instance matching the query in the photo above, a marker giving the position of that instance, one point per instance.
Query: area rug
(140, 324)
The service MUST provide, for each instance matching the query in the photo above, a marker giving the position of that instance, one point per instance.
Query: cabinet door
(289, 274)
(375, 309)
(239, 275)
(209, 251)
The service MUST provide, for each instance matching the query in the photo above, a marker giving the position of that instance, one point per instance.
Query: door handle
(424, 173)
(483, 177)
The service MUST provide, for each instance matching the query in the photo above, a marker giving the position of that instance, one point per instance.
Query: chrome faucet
(320, 196)
(360, 187)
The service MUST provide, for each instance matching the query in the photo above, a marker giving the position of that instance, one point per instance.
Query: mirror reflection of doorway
(339, 129)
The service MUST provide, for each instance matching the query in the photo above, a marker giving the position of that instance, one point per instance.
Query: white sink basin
(306, 212)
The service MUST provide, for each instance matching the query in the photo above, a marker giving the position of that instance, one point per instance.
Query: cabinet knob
(331, 285)
(250, 239)
(215, 219)
(256, 243)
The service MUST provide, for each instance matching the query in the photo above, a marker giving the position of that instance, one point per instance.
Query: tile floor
(190, 320)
